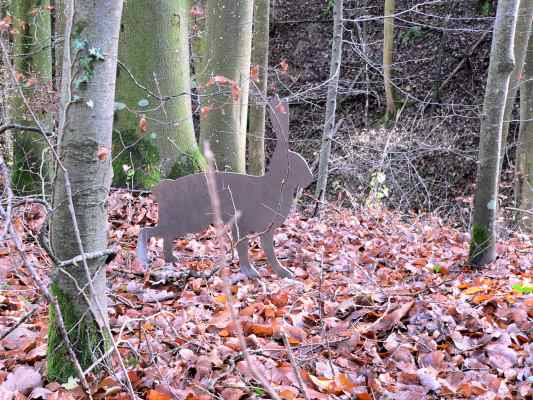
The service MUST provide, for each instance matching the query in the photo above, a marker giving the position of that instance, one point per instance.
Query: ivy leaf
(143, 103)
(71, 384)
(119, 106)
(80, 44)
(96, 53)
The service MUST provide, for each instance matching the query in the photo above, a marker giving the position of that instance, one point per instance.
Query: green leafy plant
(378, 189)
(485, 7)
(328, 9)
(412, 34)
(522, 289)
(90, 56)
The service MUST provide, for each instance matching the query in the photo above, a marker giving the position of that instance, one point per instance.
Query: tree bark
(388, 54)
(82, 183)
(483, 241)
(198, 9)
(523, 32)
(524, 189)
(229, 27)
(331, 102)
(257, 109)
(33, 61)
(199, 48)
(154, 47)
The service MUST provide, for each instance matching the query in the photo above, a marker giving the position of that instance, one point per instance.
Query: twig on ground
(19, 323)
(294, 364)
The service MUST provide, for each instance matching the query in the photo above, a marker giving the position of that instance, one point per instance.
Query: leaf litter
(381, 307)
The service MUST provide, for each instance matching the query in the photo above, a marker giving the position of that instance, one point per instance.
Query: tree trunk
(199, 48)
(388, 53)
(198, 40)
(524, 190)
(154, 48)
(33, 61)
(229, 27)
(84, 177)
(331, 104)
(256, 132)
(483, 242)
(523, 31)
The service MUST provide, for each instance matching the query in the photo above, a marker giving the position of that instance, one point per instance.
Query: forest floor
(381, 307)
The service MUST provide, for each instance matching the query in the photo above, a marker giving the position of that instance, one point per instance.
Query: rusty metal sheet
(263, 202)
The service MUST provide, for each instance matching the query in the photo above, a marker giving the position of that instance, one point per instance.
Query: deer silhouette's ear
(279, 115)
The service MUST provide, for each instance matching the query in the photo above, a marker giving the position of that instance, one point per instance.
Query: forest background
(411, 251)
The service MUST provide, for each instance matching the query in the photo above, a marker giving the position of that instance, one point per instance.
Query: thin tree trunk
(388, 54)
(524, 190)
(154, 48)
(33, 61)
(523, 31)
(256, 132)
(331, 103)
(483, 242)
(229, 27)
(84, 150)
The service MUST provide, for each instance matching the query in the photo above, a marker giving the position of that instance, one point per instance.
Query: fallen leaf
(391, 319)
(102, 153)
(157, 395)
(23, 379)
(143, 124)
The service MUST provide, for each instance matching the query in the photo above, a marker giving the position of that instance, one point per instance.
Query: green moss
(27, 155)
(141, 155)
(84, 334)
(188, 163)
(33, 58)
(480, 241)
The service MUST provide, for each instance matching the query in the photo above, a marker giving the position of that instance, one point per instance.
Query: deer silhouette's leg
(244, 262)
(267, 242)
(168, 235)
(167, 248)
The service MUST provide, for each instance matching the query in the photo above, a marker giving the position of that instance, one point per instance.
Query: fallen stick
(463, 61)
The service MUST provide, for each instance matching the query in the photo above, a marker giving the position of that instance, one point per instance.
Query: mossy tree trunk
(84, 150)
(483, 241)
(33, 62)
(256, 130)
(388, 55)
(154, 48)
(198, 23)
(198, 33)
(522, 36)
(524, 189)
(331, 102)
(229, 27)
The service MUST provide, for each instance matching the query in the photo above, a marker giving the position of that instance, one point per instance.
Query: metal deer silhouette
(263, 202)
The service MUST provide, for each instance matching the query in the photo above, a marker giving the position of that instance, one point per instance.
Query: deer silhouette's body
(262, 202)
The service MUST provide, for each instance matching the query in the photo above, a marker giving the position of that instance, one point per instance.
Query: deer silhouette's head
(299, 172)
(289, 163)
